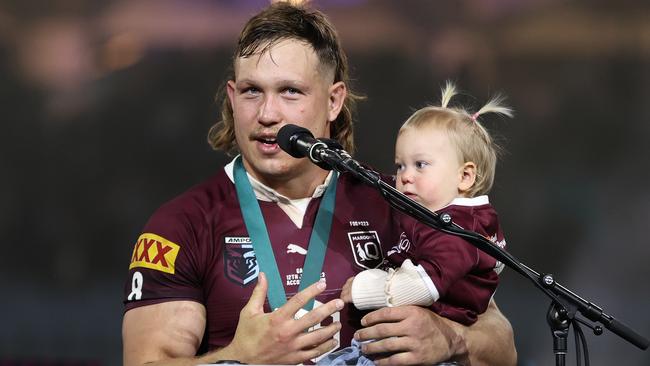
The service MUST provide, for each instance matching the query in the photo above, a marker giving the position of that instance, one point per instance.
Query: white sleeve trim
(427, 281)
(408, 285)
(411, 285)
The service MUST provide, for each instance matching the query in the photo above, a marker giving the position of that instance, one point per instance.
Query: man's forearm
(489, 341)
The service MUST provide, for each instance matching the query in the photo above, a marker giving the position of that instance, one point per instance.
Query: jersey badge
(239, 260)
(366, 248)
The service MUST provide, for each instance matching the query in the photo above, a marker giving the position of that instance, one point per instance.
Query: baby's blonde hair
(472, 141)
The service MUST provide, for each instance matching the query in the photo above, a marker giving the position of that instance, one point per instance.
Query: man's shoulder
(202, 198)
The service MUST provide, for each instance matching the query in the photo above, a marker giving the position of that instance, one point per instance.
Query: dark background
(106, 106)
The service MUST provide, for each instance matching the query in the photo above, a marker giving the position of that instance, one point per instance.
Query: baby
(446, 161)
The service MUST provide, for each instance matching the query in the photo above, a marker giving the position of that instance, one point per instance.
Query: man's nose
(269, 110)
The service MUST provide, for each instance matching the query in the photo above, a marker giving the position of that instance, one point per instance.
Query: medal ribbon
(254, 221)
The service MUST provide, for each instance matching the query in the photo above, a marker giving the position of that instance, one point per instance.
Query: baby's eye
(399, 167)
(421, 164)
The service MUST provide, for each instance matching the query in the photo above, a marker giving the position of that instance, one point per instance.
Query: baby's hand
(346, 292)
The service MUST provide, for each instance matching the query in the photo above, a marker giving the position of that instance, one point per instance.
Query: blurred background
(106, 106)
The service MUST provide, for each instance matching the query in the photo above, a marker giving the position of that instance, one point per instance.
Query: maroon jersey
(464, 276)
(196, 247)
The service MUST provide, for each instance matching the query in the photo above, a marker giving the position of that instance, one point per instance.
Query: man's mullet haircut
(278, 22)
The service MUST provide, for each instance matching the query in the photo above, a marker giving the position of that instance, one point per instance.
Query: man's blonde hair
(472, 141)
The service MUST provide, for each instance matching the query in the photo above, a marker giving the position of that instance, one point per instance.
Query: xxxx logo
(155, 252)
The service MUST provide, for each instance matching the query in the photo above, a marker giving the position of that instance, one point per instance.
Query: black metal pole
(559, 322)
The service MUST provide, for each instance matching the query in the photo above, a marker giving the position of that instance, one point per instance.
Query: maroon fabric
(216, 265)
(464, 276)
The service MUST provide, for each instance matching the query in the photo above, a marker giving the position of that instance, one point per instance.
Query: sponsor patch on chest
(240, 263)
(366, 248)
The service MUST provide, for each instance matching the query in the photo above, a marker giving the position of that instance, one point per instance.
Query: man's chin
(275, 168)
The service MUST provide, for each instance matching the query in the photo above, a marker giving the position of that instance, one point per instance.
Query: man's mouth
(267, 143)
(267, 140)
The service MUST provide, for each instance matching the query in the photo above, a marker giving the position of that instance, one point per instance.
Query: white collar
(266, 193)
(470, 201)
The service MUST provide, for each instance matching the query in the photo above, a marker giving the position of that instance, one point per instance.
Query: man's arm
(490, 340)
(414, 335)
(170, 333)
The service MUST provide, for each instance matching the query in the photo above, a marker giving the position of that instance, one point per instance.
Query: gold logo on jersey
(154, 252)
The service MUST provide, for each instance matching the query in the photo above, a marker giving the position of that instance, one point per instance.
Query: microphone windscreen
(286, 139)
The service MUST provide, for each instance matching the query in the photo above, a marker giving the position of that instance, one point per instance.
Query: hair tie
(474, 116)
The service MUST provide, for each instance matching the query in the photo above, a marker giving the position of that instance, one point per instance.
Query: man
(206, 261)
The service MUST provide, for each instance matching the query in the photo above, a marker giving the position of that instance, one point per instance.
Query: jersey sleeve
(165, 263)
(445, 258)
(464, 276)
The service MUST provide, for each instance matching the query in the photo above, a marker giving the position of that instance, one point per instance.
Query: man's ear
(337, 94)
(230, 90)
(467, 175)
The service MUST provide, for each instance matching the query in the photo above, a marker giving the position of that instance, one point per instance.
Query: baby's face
(428, 167)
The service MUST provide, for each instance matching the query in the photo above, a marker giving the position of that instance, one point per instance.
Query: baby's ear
(467, 175)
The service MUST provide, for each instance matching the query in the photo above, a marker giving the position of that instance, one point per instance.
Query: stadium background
(106, 105)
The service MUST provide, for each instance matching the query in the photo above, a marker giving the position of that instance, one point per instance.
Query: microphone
(299, 142)
(328, 154)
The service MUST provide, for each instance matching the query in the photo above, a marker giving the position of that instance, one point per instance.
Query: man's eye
(292, 91)
(250, 91)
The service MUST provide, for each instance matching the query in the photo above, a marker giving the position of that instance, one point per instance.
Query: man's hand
(279, 338)
(346, 291)
(411, 335)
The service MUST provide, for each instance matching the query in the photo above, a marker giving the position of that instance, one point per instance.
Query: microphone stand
(564, 302)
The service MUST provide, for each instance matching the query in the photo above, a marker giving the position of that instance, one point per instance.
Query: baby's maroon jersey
(196, 248)
(464, 276)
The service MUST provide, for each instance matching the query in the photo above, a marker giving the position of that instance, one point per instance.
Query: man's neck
(299, 186)
(300, 182)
